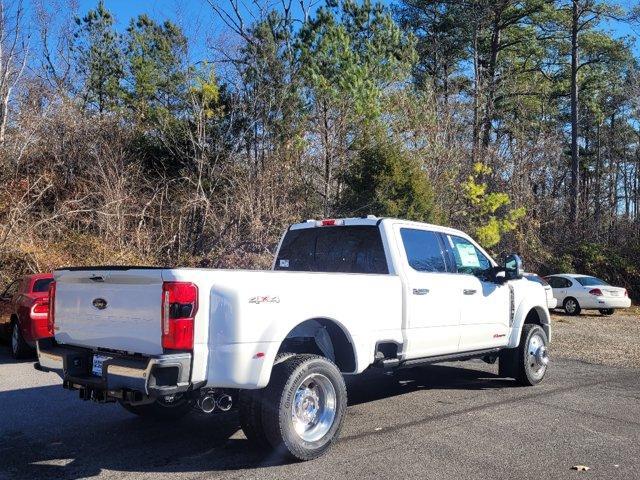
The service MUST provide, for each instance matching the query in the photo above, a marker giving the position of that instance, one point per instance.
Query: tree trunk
(598, 192)
(4, 114)
(476, 97)
(575, 159)
(491, 81)
(327, 163)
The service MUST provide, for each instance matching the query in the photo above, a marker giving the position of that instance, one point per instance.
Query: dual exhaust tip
(208, 403)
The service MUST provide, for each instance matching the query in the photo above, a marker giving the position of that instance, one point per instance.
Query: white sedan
(583, 292)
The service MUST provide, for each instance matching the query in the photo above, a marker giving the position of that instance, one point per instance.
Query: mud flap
(507, 364)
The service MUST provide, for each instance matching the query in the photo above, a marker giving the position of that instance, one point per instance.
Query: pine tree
(99, 56)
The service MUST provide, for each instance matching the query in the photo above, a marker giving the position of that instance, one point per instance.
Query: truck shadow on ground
(48, 433)
(375, 385)
(5, 354)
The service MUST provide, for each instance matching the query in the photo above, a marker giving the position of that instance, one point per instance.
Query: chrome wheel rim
(570, 306)
(15, 338)
(537, 356)
(313, 409)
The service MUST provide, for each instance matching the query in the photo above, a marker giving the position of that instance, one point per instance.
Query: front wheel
(303, 406)
(606, 311)
(529, 361)
(161, 409)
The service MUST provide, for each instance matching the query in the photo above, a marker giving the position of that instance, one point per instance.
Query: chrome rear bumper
(151, 376)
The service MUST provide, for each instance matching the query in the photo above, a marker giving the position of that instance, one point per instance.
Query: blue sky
(197, 18)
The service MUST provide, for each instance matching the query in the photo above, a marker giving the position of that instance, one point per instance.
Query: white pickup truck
(342, 296)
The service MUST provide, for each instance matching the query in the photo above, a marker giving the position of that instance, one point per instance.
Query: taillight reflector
(179, 308)
(596, 291)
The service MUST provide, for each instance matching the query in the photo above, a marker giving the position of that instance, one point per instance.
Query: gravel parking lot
(456, 420)
(595, 338)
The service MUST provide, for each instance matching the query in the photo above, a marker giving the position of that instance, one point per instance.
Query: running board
(449, 357)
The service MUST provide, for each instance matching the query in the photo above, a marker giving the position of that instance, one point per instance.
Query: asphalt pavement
(455, 420)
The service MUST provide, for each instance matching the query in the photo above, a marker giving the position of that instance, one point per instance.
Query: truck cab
(455, 297)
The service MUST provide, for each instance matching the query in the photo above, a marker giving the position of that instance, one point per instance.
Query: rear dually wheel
(304, 405)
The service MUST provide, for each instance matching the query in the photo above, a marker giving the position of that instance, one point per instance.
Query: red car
(24, 305)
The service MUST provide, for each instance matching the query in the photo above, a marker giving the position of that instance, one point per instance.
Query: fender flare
(282, 335)
(520, 317)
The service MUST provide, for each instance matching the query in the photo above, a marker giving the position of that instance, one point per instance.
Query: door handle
(469, 291)
(420, 291)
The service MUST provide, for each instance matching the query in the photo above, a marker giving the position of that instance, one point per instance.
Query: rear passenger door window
(556, 282)
(423, 250)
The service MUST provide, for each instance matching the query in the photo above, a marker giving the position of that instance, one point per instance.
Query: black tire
(250, 413)
(525, 365)
(571, 306)
(607, 311)
(19, 348)
(161, 410)
(520, 363)
(278, 402)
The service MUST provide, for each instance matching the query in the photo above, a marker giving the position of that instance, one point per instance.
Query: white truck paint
(425, 298)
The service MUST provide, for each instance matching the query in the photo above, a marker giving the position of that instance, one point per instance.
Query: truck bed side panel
(251, 312)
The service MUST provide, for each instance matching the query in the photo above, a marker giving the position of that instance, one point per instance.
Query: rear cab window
(340, 249)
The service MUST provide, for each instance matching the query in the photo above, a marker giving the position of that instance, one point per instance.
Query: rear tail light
(40, 309)
(626, 294)
(179, 307)
(51, 310)
(596, 291)
(40, 319)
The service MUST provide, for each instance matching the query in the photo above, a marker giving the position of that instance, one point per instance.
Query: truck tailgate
(112, 309)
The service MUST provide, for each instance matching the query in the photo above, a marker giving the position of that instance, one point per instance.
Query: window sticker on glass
(284, 263)
(468, 255)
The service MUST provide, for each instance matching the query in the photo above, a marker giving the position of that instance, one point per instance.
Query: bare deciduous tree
(13, 56)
